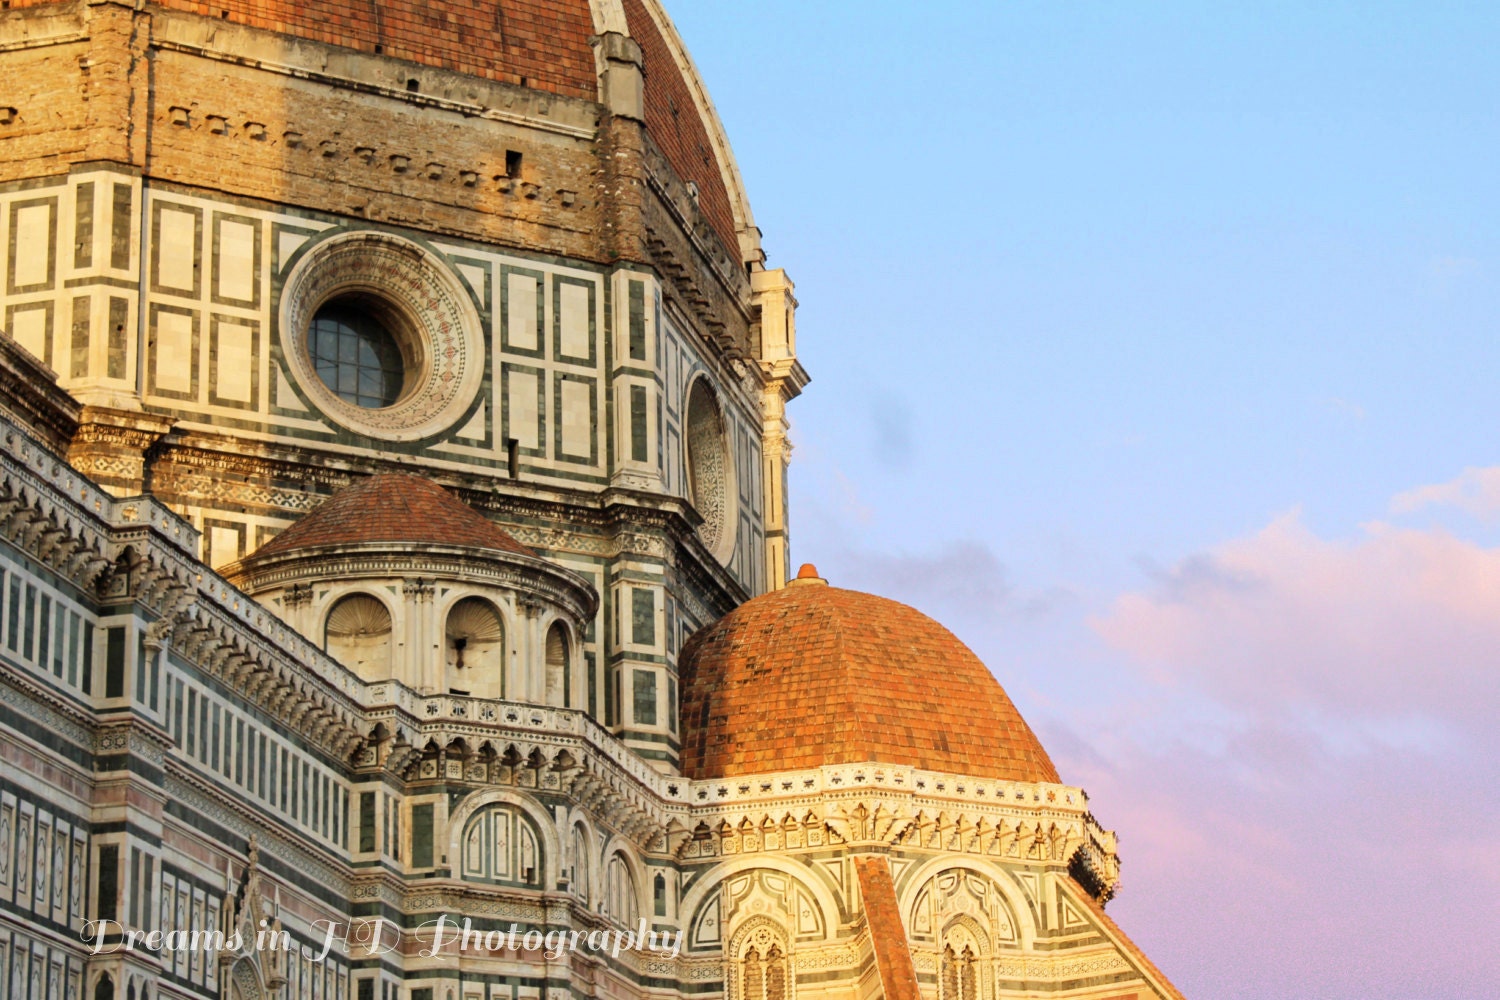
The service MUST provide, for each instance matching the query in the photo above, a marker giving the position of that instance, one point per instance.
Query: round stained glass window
(356, 355)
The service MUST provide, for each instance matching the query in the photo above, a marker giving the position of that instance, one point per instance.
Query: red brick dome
(814, 675)
(542, 44)
(395, 508)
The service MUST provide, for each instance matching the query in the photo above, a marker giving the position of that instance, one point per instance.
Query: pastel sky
(1155, 353)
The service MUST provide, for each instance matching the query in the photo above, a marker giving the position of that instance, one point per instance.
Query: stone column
(420, 662)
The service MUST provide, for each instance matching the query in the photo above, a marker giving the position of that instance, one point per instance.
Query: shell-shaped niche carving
(474, 618)
(357, 633)
(475, 649)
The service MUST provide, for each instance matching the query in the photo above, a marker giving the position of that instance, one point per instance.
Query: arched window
(580, 862)
(763, 977)
(501, 845)
(357, 633)
(659, 895)
(775, 974)
(755, 977)
(960, 978)
(104, 989)
(475, 644)
(621, 903)
(759, 968)
(559, 682)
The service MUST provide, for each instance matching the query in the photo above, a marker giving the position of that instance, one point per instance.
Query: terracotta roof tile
(672, 119)
(814, 675)
(397, 508)
(898, 975)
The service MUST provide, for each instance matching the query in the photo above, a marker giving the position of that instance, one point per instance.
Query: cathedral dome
(392, 508)
(540, 45)
(814, 675)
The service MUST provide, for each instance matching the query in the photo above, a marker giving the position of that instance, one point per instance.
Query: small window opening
(512, 163)
(356, 354)
(412, 85)
(513, 457)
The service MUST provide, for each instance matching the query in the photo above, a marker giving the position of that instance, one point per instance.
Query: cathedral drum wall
(162, 301)
(392, 433)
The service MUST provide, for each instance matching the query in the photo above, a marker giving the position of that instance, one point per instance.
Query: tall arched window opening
(708, 466)
(960, 977)
(474, 644)
(559, 680)
(621, 903)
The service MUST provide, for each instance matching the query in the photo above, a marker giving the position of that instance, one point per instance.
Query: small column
(420, 660)
(531, 684)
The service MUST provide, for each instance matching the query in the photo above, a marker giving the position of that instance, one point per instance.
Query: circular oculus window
(381, 336)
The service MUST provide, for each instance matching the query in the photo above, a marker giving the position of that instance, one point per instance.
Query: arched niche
(474, 647)
(958, 922)
(558, 667)
(357, 633)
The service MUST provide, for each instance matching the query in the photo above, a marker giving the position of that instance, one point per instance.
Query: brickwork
(877, 893)
(393, 507)
(543, 44)
(385, 159)
(672, 119)
(815, 675)
(49, 126)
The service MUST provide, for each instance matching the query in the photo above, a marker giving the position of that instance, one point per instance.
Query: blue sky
(1133, 328)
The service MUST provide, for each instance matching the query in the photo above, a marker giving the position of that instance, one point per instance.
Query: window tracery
(621, 902)
(760, 965)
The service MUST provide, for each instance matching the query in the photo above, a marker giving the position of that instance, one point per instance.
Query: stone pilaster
(784, 381)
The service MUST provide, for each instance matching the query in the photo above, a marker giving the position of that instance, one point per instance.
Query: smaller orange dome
(816, 675)
(392, 508)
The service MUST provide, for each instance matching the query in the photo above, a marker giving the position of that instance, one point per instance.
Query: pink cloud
(1346, 879)
(1292, 736)
(1389, 637)
(1341, 839)
(1476, 491)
